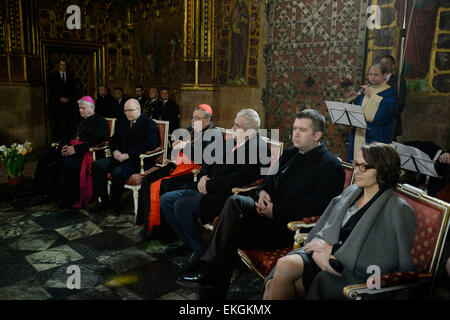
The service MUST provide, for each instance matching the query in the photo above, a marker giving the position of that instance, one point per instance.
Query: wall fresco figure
(239, 43)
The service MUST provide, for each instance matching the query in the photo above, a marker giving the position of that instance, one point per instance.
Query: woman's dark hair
(385, 160)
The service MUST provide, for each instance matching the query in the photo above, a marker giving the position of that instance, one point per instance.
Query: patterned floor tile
(98, 293)
(180, 294)
(5, 206)
(132, 233)
(24, 290)
(101, 244)
(125, 260)
(60, 218)
(121, 221)
(34, 241)
(79, 230)
(53, 257)
(16, 229)
(90, 274)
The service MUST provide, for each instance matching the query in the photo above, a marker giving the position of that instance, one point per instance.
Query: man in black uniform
(170, 111)
(63, 95)
(153, 106)
(106, 105)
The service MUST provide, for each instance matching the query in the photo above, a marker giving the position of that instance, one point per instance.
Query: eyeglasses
(129, 110)
(198, 118)
(362, 167)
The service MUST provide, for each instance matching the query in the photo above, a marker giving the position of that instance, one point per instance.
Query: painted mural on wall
(143, 38)
(426, 66)
(239, 37)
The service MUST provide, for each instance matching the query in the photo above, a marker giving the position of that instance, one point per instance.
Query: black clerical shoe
(176, 248)
(191, 265)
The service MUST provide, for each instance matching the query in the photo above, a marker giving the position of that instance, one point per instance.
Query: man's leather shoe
(191, 265)
(176, 248)
(197, 281)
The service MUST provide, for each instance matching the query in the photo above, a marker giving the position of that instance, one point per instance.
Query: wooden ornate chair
(432, 224)
(133, 183)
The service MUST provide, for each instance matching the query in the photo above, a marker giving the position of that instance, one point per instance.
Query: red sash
(86, 189)
(184, 166)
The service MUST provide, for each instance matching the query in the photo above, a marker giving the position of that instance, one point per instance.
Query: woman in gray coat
(367, 225)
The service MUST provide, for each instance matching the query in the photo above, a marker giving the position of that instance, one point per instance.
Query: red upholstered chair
(133, 183)
(262, 261)
(432, 223)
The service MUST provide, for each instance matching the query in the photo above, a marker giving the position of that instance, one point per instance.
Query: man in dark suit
(170, 111)
(106, 105)
(63, 96)
(392, 80)
(308, 177)
(140, 96)
(153, 106)
(216, 179)
(119, 102)
(134, 136)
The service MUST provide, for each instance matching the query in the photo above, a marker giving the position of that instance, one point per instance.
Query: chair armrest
(305, 223)
(251, 186)
(389, 282)
(195, 172)
(300, 238)
(101, 146)
(237, 190)
(155, 152)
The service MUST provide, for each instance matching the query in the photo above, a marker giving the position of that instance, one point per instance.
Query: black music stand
(346, 114)
(415, 160)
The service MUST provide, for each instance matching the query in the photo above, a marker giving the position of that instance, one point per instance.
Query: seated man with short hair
(237, 163)
(134, 136)
(178, 173)
(308, 177)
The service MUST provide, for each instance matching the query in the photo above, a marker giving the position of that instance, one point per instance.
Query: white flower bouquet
(14, 157)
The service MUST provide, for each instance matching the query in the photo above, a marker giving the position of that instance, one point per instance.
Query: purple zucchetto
(87, 100)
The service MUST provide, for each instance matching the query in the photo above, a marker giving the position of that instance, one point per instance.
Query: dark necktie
(63, 77)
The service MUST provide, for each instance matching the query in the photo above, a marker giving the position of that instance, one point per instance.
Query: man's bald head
(132, 109)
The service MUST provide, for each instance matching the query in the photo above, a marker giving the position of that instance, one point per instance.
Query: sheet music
(346, 114)
(415, 160)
